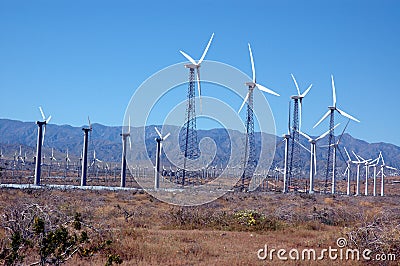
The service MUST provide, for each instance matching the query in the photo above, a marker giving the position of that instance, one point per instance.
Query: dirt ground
(141, 230)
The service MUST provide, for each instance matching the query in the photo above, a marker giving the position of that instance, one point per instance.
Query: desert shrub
(381, 234)
(335, 216)
(203, 218)
(43, 232)
(251, 220)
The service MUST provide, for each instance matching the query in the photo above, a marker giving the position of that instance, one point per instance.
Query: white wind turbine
(313, 157)
(299, 98)
(367, 166)
(374, 166)
(196, 65)
(383, 166)
(252, 84)
(249, 156)
(335, 148)
(348, 171)
(40, 141)
(159, 141)
(331, 113)
(52, 158)
(286, 138)
(358, 163)
(334, 108)
(67, 161)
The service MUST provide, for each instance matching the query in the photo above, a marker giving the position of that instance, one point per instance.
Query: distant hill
(106, 141)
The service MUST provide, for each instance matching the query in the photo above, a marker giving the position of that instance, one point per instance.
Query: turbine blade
(90, 124)
(333, 91)
(158, 132)
(340, 153)
(355, 155)
(130, 143)
(325, 116)
(303, 146)
(261, 87)
(348, 155)
(341, 135)
(44, 133)
(391, 168)
(295, 83)
(343, 113)
(41, 112)
(306, 136)
(199, 88)
(326, 133)
(166, 136)
(305, 93)
(244, 101)
(205, 50)
(48, 119)
(252, 64)
(188, 58)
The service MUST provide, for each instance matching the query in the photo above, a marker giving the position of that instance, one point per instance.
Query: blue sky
(79, 58)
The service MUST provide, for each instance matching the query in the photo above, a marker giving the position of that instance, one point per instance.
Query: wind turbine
(159, 141)
(249, 166)
(189, 143)
(40, 141)
(374, 166)
(123, 163)
(358, 163)
(286, 138)
(85, 150)
(383, 166)
(348, 171)
(295, 149)
(196, 65)
(336, 148)
(52, 158)
(95, 168)
(369, 164)
(331, 113)
(313, 155)
(67, 161)
(298, 99)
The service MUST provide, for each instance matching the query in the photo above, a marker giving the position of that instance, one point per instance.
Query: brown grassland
(77, 227)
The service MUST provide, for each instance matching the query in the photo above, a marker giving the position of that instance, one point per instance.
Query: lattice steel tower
(294, 164)
(188, 138)
(250, 161)
(329, 161)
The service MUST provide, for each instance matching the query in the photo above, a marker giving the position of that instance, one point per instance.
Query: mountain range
(106, 141)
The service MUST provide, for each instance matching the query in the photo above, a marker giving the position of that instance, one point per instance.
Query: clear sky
(79, 58)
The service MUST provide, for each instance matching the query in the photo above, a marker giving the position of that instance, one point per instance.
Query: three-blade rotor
(254, 84)
(197, 65)
(334, 107)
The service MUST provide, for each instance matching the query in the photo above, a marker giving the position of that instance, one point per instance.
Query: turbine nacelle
(192, 66)
(251, 85)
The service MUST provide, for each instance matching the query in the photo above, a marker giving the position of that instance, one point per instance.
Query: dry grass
(228, 231)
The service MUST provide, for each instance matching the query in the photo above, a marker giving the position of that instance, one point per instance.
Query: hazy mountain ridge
(106, 141)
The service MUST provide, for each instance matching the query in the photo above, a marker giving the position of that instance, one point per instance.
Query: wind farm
(212, 133)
